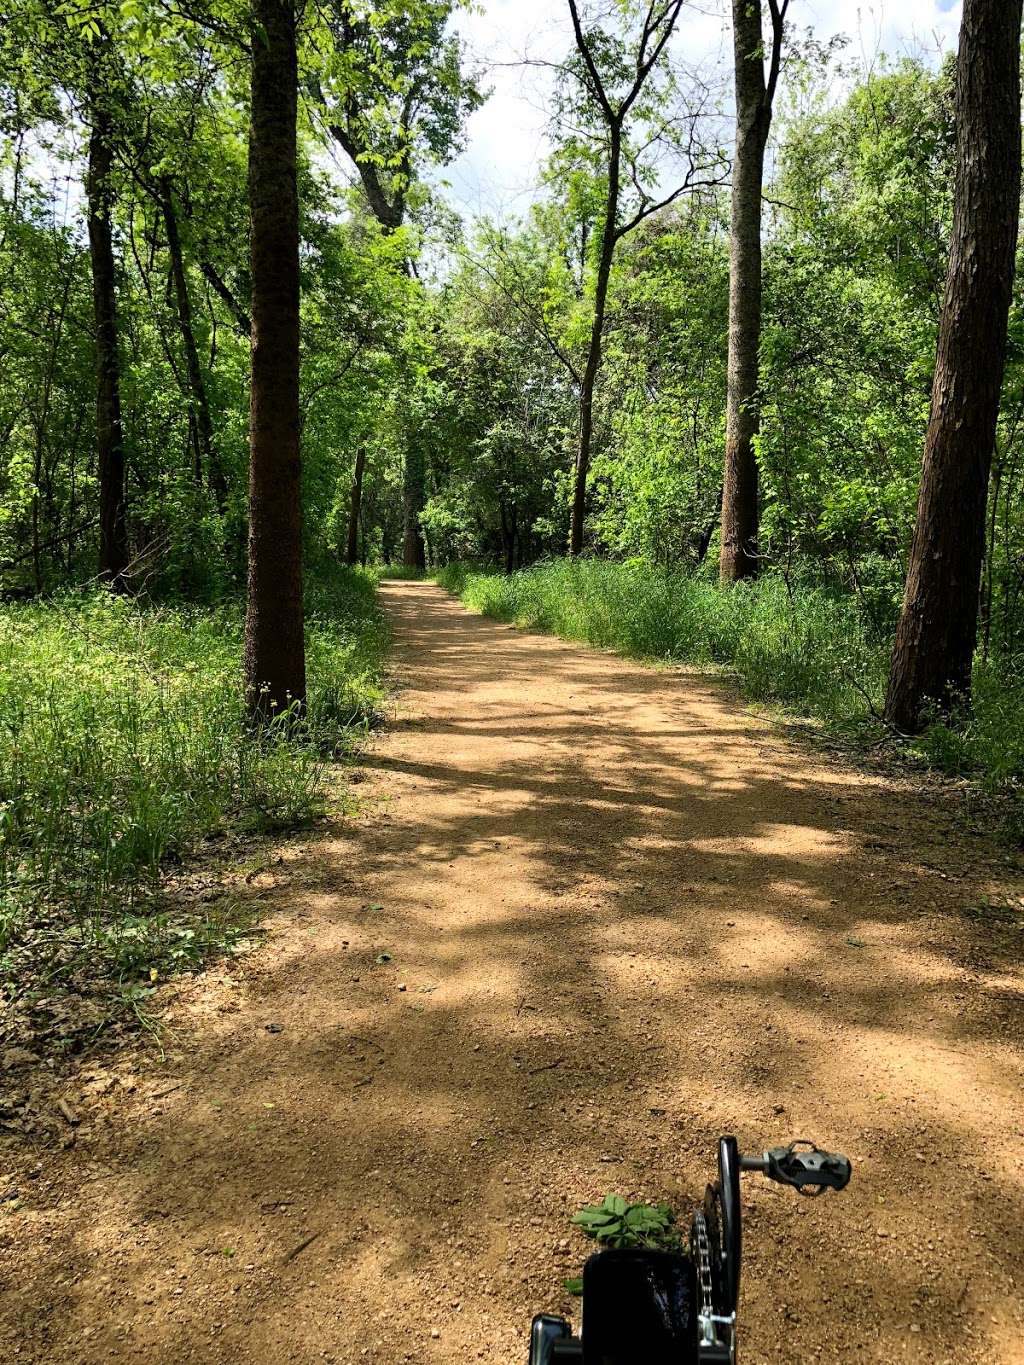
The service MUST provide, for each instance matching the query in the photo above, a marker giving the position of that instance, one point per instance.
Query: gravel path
(590, 916)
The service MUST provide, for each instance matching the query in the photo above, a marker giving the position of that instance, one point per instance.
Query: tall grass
(400, 573)
(801, 648)
(123, 744)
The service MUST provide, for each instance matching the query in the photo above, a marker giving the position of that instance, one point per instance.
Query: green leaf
(593, 1217)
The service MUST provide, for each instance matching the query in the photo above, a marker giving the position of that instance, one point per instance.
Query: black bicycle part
(657, 1307)
(804, 1166)
(731, 1252)
(552, 1341)
(639, 1306)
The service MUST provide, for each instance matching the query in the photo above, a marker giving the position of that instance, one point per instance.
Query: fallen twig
(68, 1113)
(161, 1094)
(548, 1066)
(306, 1241)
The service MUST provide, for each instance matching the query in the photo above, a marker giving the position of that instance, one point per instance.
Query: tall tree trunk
(508, 540)
(113, 560)
(738, 556)
(937, 630)
(593, 365)
(275, 663)
(355, 503)
(202, 426)
(414, 555)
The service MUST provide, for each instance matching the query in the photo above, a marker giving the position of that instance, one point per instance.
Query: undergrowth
(123, 745)
(801, 648)
(400, 573)
(795, 646)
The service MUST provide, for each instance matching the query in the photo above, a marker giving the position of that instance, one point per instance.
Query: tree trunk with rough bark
(355, 502)
(937, 631)
(275, 664)
(414, 551)
(593, 365)
(200, 423)
(738, 555)
(113, 557)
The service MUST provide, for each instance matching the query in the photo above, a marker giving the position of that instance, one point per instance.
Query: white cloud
(497, 174)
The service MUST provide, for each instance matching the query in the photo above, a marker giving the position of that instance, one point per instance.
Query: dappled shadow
(626, 917)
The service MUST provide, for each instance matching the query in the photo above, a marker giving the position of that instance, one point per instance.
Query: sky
(498, 172)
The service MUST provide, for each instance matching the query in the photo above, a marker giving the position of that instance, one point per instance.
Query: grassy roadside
(802, 649)
(123, 752)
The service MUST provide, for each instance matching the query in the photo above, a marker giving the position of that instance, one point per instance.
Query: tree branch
(535, 320)
(666, 21)
(220, 287)
(777, 9)
(595, 79)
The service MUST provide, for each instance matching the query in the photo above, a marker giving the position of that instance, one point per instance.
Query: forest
(734, 397)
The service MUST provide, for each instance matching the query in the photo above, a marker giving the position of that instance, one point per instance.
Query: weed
(123, 744)
(616, 1222)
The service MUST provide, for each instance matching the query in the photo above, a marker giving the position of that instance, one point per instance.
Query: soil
(590, 916)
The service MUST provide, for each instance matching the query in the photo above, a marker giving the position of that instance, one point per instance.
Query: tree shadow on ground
(627, 918)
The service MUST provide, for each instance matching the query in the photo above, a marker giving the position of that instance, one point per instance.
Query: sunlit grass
(123, 744)
(800, 648)
(796, 646)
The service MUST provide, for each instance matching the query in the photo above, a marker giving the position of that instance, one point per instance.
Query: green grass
(123, 746)
(804, 650)
(807, 651)
(399, 573)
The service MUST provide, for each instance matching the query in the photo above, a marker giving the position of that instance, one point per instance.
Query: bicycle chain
(703, 1247)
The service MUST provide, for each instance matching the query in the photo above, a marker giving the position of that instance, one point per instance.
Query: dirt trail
(623, 916)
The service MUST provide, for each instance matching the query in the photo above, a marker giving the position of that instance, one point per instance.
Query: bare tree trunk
(937, 630)
(658, 27)
(414, 554)
(593, 365)
(754, 97)
(202, 426)
(275, 664)
(355, 503)
(113, 560)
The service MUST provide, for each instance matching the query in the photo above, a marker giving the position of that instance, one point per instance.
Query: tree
(200, 423)
(355, 504)
(275, 663)
(937, 632)
(113, 558)
(396, 90)
(613, 71)
(755, 96)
